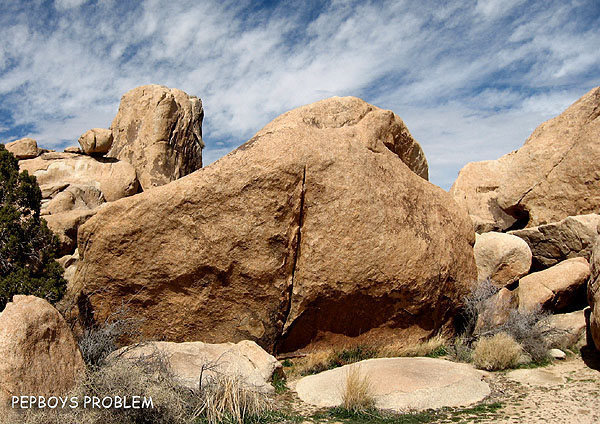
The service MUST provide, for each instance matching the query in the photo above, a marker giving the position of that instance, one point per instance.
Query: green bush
(27, 246)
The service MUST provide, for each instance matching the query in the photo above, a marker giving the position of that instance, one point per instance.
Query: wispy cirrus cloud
(471, 80)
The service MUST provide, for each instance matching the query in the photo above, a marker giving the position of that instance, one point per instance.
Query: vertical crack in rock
(296, 255)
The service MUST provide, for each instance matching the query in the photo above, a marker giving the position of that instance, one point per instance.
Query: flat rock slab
(536, 377)
(401, 384)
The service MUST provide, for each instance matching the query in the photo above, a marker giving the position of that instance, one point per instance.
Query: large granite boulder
(39, 353)
(158, 130)
(501, 258)
(552, 243)
(190, 361)
(25, 148)
(314, 227)
(552, 176)
(560, 288)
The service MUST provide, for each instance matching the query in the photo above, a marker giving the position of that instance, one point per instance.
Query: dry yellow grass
(357, 393)
(495, 353)
(425, 348)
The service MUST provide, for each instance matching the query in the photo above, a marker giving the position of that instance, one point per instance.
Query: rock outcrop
(593, 295)
(57, 171)
(315, 227)
(558, 289)
(552, 176)
(401, 384)
(190, 361)
(25, 148)
(96, 141)
(39, 353)
(568, 329)
(552, 243)
(158, 130)
(501, 258)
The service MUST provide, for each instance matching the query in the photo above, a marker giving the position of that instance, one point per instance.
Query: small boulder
(25, 148)
(558, 288)
(73, 149)
(557, 354)
(190, 360)
(96, 141)
(501, 258)
(552, 243)
(65, 226)
(565, 330)
(39, 353)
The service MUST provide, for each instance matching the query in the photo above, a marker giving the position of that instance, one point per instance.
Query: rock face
(501, 258)
(39, 353)
(401, 384)
(74, 186)
(496, 310)
(552, 243)
(313, 227)
(96, 140)
(25, 148)
(556, 289)
(593, 295)
(245, 360)
(158, 130)
(554, 174)
(57, 171)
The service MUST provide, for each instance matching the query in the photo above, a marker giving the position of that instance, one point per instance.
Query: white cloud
(470, 80)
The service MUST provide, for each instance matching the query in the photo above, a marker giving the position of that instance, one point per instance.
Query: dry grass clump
(498, 352)
(226, 399)
(357, 393)
(434, 347)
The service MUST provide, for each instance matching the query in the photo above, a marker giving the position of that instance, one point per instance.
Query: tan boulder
(159, 131)
(73, 149)
(39, 353)
(556, 289)
(569, 238)
(552, 176)
(57, 171)
(400, 384)
(96, 140)
(501, 258)
(25, 148)
(74, 197)
(190, 360)
(593, 295)
(313, 227)
(65, 226)
(565, 330)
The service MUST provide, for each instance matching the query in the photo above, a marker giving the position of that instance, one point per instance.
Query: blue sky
(471, 79)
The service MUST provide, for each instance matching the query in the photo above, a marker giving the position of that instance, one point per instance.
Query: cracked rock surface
(321, 225)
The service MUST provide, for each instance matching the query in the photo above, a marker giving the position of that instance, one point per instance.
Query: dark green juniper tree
(27, 246)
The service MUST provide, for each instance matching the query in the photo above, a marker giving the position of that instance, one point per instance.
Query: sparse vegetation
(433, 348)
(357, 393)
(27, 247)
(497, 352)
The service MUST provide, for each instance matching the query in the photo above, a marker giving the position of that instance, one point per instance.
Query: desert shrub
(27, 247)
(433, 348)
(460, 351)
(497, 352)
(357, 393)
(528, 328)
(99, 340)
